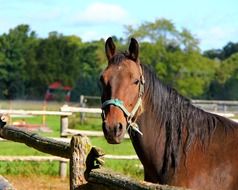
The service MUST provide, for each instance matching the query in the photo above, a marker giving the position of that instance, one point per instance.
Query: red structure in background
(56, 91)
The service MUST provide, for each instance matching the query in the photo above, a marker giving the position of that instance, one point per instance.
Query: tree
(175, 56)
(57, 59)
(226, 80)
(229, 49)
(224, 53)
(28, 63)
(214, 54)
(161, 29)
(14, 49)
(92, 60)
(165, 32)
(194, 74)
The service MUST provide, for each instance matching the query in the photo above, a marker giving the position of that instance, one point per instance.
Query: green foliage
(175, 57)
(224, 53)
(194, 74)
(57, 59)
(90, 65)
(224, 86)
(228, 69)
(28, 64)
(165, 32)
(15, 50)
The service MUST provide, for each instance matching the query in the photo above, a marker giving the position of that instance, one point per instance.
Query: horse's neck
(152, 148)
(149, 147)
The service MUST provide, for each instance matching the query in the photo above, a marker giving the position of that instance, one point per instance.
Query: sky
(213, 22)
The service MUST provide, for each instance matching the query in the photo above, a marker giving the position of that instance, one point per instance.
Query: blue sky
(213, 22)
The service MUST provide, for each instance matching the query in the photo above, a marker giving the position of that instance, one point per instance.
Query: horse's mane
(176, 113)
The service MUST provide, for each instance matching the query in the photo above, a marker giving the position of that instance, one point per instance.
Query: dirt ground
(38, 182)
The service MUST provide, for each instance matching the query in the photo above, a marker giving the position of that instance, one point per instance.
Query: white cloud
(89, 35)
(101, 13)
(95, 35)
(216, 37)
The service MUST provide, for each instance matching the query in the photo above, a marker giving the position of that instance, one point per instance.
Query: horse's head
(122, 89)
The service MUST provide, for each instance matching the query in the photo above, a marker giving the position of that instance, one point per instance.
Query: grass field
(29, 169)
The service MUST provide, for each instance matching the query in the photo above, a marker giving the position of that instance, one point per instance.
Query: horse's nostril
(104, 128)
(118, 129)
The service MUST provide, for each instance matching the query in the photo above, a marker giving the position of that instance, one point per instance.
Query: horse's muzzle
(114, 133)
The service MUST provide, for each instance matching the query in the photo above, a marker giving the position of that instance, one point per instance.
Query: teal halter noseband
(129, 115)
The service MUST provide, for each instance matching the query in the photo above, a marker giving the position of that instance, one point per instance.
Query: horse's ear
(110, 48)
(134, 49)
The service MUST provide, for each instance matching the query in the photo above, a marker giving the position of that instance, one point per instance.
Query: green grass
(125, 148)
(127, 167)
(92, 122)
(29, 168)
(8, 148)
(51, 168)
(25, 168)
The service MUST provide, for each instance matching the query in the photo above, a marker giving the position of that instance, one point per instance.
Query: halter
(129, 115)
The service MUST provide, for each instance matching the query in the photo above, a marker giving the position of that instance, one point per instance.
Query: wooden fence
(209, 105)
(203, 104)
(63, 118)
(84, 159)
(71, 151)
(65, 132)
(218, 107)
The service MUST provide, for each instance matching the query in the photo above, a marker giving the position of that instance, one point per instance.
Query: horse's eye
(102, 80)
(136, 81)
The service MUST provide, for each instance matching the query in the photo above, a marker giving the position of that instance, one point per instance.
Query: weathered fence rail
(106, 180)
(43, 144)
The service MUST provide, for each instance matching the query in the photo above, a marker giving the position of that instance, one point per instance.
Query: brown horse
(177, 143)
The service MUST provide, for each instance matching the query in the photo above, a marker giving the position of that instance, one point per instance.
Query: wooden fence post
(80, 148)
(64, 122)
(82, 105)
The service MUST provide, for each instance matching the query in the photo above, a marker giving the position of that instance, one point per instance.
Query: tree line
(28, 63)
